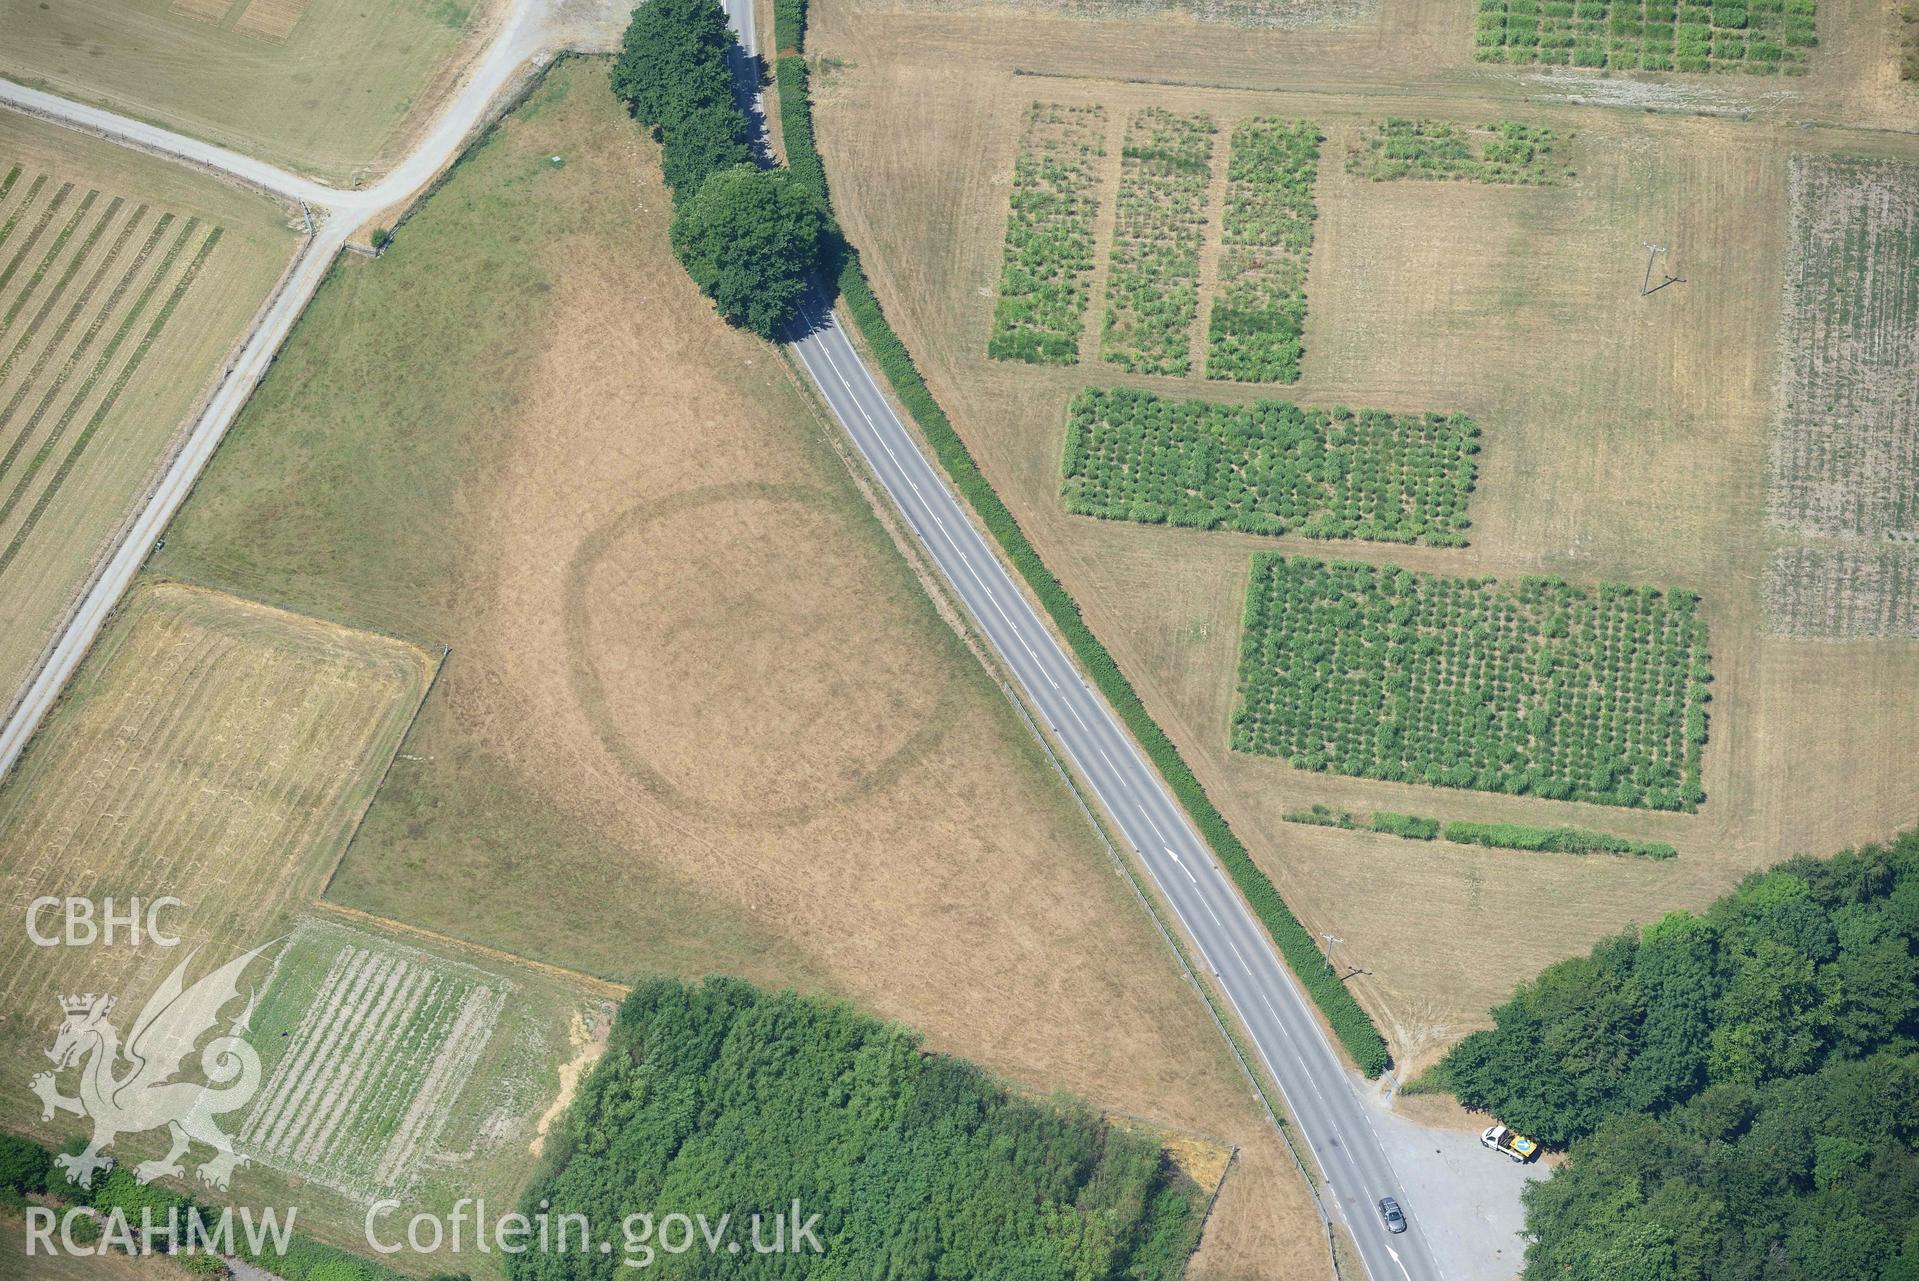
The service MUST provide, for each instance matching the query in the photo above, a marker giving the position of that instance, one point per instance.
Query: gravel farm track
(1330, 1105)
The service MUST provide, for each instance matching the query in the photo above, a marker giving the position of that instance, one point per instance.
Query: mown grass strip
(39, 229)
(1350, 1023)
(59, 291)
(93, 376)
(107, 402)
(26, 206)
(74, 313)
(25, 295)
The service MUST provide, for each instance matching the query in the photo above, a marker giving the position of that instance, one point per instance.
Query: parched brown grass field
(332, 88)
(124, 281)
(1623, 438)
(699, 715)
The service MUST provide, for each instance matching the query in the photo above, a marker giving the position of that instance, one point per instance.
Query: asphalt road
(1319, 1091)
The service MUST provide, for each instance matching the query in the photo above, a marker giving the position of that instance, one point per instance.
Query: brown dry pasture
(124, 283)
(1625, 439)
(699, 714)
(332, 88)
(276, 726)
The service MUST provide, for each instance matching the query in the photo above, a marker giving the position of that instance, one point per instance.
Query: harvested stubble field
(1506, 151)
(123, 281)
(1152, 279)
(1542, 689)
(1843, 593)
(1253, 326)
(333, 88)
(1622, 439)
(276, 726)
(1845, 455)
(1043, 289)
(730, 734)
(1269, 467)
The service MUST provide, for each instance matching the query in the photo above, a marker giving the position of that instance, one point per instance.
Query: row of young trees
(751, 238)
(1740, 1089)
(720, 1098)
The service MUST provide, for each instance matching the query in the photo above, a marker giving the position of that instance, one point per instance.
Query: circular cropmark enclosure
(731, 659)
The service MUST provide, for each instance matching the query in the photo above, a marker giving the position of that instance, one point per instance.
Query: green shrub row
(1412, 827)
(1760, 37)
(789, 26)
(1409, 826)
(1350, 1023)
(1557, 840)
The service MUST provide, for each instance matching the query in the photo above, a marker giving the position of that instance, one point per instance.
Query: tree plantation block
(1269, 467)
(1544, 688)
(1049, 237)
(1253, 333)
(1152, 289)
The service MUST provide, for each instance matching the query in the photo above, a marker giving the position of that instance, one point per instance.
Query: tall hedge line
(1350, 1023)
(789, 25)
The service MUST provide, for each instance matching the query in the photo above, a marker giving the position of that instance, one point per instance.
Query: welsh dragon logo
(133, 1089)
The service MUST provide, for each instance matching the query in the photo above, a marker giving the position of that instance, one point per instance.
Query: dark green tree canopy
(699, 143)
(721, 1099)
(674, 57)
(1740, 1090)
(751, 240)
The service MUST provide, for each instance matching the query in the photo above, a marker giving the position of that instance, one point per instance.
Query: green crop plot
(1253, 333)
(1152, 289)
(1269, 467)
(1762, 37)
(1504, 151)
(1546, 689)
(1049, 237)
